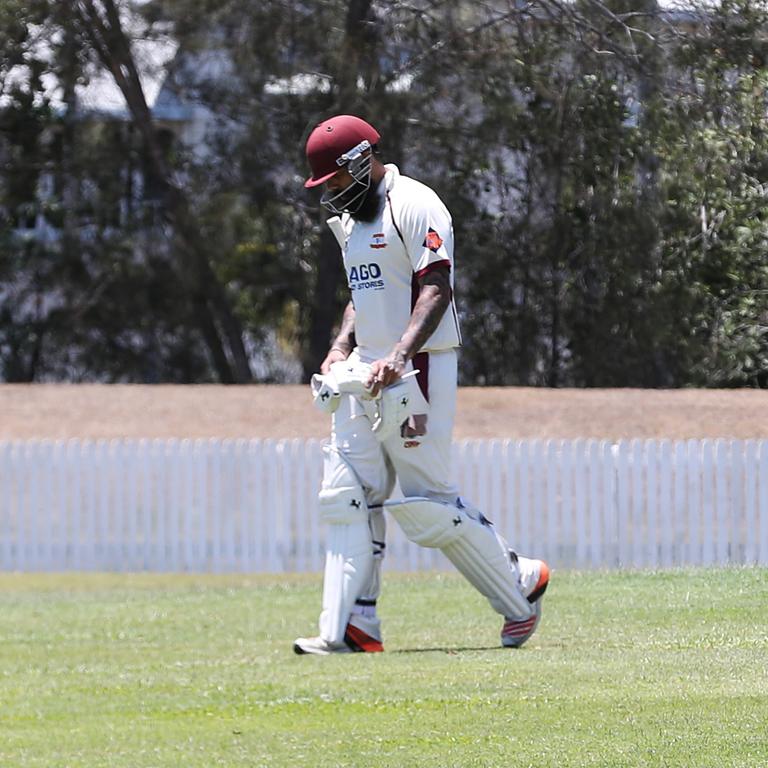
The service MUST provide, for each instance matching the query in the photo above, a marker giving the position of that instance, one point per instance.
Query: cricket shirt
(384, 259)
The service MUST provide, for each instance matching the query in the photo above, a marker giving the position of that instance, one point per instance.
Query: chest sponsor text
(366, 277)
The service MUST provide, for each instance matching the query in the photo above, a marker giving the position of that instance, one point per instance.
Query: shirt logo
(433, 241)
(377, 240)
(366, 276)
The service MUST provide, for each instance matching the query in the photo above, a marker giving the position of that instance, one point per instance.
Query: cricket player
(389, 381)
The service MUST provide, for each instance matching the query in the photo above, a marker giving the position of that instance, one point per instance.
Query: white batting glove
(344, 377)
(350, 376)
(325, 393)
(393, 407)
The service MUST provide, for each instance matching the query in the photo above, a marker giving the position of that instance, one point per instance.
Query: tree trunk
(218, 324)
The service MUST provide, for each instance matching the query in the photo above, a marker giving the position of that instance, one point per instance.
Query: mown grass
(627, 669)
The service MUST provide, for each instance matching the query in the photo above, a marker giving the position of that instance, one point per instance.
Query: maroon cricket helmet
(331, 140)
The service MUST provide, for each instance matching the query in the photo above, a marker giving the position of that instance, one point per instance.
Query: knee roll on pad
(471, 545)
(342, 499)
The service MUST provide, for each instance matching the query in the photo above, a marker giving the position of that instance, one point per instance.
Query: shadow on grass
(452, 650)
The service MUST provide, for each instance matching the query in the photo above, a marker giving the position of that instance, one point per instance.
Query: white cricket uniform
(412, 235)
(384, 259)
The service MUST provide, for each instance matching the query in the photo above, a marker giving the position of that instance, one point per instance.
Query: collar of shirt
(391, 176)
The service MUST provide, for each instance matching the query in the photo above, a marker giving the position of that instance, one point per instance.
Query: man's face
(344, 192)
(353, 193)
(339, 181)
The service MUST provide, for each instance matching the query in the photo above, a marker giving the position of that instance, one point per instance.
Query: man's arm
(344, 342)
(434, 299)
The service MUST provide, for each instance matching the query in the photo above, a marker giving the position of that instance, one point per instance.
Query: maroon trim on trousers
(421, 362)
(444, 264)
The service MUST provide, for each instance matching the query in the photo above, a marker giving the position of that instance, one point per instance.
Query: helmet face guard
(357, 162)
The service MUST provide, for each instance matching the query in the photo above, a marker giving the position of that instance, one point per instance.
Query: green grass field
(634, 669)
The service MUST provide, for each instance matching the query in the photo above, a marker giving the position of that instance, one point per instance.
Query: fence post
(751, 533)
(536, 527)
(547, 478)
(524, 507)
(610, 515)
(583, 532)
(763, 525)
(596, 505)
(678, 503)
(708, 503)
(623, 506)
(720, 520)
(665, 519)
(738, 513)
(560, 494)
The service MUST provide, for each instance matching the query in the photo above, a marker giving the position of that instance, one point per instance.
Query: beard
(371, 205)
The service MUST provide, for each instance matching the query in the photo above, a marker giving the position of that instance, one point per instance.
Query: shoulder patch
(433, 241)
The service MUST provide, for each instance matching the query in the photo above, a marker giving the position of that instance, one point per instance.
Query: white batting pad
(349, 559)
(348, 570)
(342, 498)
(471, 545)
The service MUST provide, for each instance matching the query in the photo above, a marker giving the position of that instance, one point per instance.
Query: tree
(220, 327)
(715, 159)
(603, 161)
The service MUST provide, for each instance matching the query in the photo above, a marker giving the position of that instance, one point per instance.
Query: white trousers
(421, 464)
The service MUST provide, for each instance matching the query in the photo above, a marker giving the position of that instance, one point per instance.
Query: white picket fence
(221, 505)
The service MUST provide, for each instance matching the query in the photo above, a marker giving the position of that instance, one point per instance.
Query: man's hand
(334, 355)
(386, 371)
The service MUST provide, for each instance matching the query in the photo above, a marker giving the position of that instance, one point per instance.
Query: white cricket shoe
(355, 641)
(534, 579)
(318, 646)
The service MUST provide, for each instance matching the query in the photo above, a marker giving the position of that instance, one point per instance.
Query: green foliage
(626, 669)
(553, 223)
(715, 160)
(604, 164)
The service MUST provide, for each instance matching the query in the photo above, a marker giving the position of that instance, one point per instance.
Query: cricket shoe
(534, 579)
(355, 641)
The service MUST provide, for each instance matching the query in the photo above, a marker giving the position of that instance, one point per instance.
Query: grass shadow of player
(451, 651)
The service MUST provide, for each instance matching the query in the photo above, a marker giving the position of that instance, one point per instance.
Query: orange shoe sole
(360, 642)
(541, 584)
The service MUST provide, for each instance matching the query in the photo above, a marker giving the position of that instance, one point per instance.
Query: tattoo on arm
(434, 298)
(345, 339)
